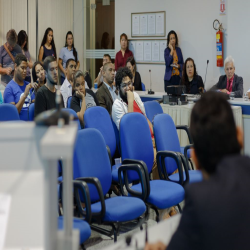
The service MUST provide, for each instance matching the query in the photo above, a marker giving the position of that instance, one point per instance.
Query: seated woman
(230, 82)
(136, 75)
(190, 78)
(82, 98)
(38, 76)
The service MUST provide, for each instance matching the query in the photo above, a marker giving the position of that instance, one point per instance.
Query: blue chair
(143, 86)
(72, 112)
(81, 224)
(91, 159)
(69, 101)
(166, 140)
(152, 109)
(31, 112)
(137, 148)
(8, 112)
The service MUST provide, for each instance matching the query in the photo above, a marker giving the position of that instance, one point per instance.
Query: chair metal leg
(115, 232)
(179, 207)
(82, 246)
(191, 163)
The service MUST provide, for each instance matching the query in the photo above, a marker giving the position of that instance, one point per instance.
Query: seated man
(99, 78)
(46, 95)
(82, 98)
(67, 86)
(230, 82)
(215, 214)
(106, 94)
(18, 92)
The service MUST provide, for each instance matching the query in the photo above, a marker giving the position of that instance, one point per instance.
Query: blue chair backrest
(72, 112)
(69, 101)
(152, 109)
(91, 160)
(135, 140)
(117, 136)
(31, 112)
(166, 138)
(143, 86)
(8, 112)
(99, 118)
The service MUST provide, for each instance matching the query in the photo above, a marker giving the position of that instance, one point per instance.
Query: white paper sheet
(160, 23)
(136, 25)
(143, 24)
(139, 51)
(163, 46)
(155, 51)
(147, 51)
(151, 24)
(5, 200)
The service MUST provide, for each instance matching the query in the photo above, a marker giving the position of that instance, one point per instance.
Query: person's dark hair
(132, 61)
(11, 37)
(74, 50)
(107, 55)
(104, 43)
(21, 38)
(213, 130)
(52, 41)
(47, 61)
(34, 77)
(123, 35)
(68, 61)
(120, 74)
(184, 78)
(20, 58)
(168, 38)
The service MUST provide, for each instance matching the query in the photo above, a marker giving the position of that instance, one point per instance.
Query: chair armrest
(161, 155)
(185, 152)
(135, 167)
(110, 157)
(186, 128)
(98, 186)
(145, 168)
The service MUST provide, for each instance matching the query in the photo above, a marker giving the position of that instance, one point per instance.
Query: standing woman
(190, 78)
(38, 75)
(173, 61)
(66, 53)
(122, 56)
(136, 75)
(22, 41)
(48, 47)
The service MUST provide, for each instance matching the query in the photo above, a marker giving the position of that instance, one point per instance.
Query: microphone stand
(150, 92)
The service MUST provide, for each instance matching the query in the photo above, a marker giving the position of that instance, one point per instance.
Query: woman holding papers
(190, 78)
(173, 60)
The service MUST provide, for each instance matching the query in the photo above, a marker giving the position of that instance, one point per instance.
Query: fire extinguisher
(219, 43)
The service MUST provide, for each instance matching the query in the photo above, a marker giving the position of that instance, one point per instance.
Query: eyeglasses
(126, 85)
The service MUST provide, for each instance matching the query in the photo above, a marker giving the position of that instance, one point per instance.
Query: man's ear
(240, 136)
(195, 159)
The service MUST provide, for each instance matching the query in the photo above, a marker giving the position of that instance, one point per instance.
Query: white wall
(193, 22)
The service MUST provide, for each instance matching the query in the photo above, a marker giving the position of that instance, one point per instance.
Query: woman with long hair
(67, 52)
(38, 75)
(136, 75)
(47, 47)
(22, 41)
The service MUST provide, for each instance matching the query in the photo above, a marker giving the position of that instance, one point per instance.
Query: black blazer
(104, 98)
(137, 81)
(237, 85)
(216, 214)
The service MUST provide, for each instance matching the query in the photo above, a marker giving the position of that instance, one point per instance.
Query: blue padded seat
(160, 196)
(194, 176)
(121, 208)
(81, 225)
(8, 112)
(69, 101)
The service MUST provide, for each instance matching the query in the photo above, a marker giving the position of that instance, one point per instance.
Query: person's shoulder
(136, 95)
(11, 84)
(90, 92)
(18, 49)
(42, 90)
(239, 78)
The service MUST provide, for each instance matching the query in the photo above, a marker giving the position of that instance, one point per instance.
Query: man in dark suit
(230, 82)
(106, 94)
(216, 213)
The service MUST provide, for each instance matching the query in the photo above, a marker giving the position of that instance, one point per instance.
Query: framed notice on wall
(148, 24)
(148, 51)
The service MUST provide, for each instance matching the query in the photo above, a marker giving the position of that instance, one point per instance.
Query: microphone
(150, 92)
(206, 74)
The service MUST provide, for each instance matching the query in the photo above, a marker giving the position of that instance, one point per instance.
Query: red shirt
(120, 61)
(230, 84)
(137, 109)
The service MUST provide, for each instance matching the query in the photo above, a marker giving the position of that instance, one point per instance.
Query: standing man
(99, 78)
(18, 92)
(8, 51)
(107, 94)
(46, 95)
(67, 86)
